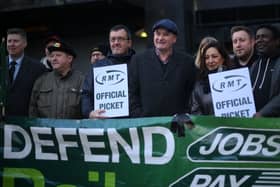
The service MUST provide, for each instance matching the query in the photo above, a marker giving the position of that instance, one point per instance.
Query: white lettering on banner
(39, 154)
(59, 132)
(9, 132)
(87, 145)
(132, 151)
(92, 142)
(253, 144)
(220, 181)
(148, 142)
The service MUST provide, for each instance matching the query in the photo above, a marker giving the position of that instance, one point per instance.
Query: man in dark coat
(161, 79)
(265, 73)
(121, 53)
(23, 71)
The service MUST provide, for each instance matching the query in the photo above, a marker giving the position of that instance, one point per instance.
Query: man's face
(163, 39)
(60, 61)
(242, 44)
(265, 42)
(15, 45)
(119, 42)
(95, 56)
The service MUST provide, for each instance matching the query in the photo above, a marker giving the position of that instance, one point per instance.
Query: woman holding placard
(214, 59)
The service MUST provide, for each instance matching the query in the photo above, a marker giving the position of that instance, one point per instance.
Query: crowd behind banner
(161, 81)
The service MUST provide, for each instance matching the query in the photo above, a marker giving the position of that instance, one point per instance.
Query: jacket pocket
(45, 98)
(74, 97)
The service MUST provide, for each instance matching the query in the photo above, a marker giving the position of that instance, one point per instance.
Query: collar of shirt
(18, 61)
(158, 55)
(17, 66)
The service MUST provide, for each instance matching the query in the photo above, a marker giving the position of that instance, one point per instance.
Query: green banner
(216, 152)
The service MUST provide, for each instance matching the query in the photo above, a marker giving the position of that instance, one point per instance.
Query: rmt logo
(110, 77)
(230, 83)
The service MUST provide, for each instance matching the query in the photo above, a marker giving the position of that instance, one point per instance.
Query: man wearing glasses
(121, 53)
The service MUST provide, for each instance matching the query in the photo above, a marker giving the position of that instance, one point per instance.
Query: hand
(97, 114)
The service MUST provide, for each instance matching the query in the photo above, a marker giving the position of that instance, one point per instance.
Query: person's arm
(195, 107)
(87, 96)
(271, 109)
(33, 107)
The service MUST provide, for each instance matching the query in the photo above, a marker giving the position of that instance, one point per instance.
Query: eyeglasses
(118, 39)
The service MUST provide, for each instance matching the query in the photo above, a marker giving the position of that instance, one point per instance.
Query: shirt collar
(18, 61)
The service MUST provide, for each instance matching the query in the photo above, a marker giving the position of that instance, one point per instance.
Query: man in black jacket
(161, 79)
(23, 71)
(265, 74)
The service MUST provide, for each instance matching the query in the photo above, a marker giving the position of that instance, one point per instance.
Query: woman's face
(213, 59)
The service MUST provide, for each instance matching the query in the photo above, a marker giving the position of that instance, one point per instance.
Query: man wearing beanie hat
(57, 94)
(98, 52)
(161, 79)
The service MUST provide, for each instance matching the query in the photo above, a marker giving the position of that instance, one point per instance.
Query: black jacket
(272, 108)
(18, 93)
(153, 92)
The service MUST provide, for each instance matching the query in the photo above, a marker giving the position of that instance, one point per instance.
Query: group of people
(161, 80)
(258, 51)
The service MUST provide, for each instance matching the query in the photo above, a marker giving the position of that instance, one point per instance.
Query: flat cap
(166, 24)
(62, 46)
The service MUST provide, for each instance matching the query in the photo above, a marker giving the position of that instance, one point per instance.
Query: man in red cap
(57, 94)
(49, 42)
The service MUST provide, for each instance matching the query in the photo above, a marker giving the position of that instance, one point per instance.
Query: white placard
(111, 90)
(232, 93)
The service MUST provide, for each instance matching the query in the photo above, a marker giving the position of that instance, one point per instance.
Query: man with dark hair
(121, 52)
(161, 79)
(265, 74)
(23, 71)
(243, 43)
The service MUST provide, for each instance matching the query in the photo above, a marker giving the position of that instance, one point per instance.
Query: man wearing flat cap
(57, 94)
(161, 79)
